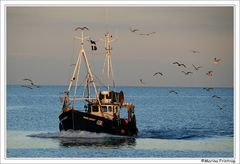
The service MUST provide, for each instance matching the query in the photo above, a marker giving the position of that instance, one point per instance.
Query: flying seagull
(196, 68)
(172, 91)
(134, 30)
(215, 96)
(208, 89)
(141, 81)
(81, 28)
(216, 61)
(210, 73)
(186, 73)
(72, 65)
(28, 80)
(147, 34)
(195, 51)
(158, 73)
(221, 108)
(180, 64)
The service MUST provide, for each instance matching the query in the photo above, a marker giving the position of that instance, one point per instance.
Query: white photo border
(5, 4)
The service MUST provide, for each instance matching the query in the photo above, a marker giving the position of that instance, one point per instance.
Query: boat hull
(77, 120)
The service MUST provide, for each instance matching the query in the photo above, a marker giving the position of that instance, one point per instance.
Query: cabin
(110, 105)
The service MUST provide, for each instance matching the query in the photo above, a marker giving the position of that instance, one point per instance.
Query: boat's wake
(84, 138)
(73, 134)
(183, 134)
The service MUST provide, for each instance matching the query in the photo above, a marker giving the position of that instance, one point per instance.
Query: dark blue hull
(76, 120)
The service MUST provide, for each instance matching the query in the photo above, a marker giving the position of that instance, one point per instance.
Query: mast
(76, 72)
(110, 76)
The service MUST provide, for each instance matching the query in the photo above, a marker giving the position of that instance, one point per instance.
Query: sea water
(190, 124)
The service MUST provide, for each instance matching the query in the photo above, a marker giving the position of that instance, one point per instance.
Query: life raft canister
(126, 121)
(122, 131)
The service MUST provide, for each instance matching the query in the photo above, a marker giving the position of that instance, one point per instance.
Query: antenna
(107, 18)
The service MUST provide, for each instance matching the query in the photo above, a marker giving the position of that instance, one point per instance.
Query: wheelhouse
(108, 111)
(110, 106)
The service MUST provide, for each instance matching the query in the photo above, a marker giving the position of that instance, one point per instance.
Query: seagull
(141, 81)
(81, 28)
(210, 73)
(147, 34)
(28, 80)
(215, 96)
(172, 91)
(216, 61)
(195, 51)
(208, 89)
(196, 68)
(180, 64)
(158, 73)
(134, 30)
(186, 73)
(221, 108)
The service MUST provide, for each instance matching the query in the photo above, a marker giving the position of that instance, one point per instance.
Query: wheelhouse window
(110, 109)
(94, 108)
(104, 108)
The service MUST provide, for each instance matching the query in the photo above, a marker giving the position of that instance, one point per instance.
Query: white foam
(72, 134)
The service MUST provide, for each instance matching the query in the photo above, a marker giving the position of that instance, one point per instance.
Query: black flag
(93, 45)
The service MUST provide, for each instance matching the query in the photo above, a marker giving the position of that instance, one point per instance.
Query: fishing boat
(101, 112)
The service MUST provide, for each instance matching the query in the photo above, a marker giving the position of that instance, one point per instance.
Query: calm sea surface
(190, 124)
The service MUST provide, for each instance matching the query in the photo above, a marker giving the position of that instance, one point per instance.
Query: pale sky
(40, 44)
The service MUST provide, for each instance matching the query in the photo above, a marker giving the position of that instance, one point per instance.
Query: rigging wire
(71, 59)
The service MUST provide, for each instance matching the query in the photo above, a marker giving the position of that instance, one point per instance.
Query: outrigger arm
(76, 71)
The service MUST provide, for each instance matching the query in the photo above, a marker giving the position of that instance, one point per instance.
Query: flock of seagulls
(216, 97)
(209, 73)
(30, 84)
(196, 68)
